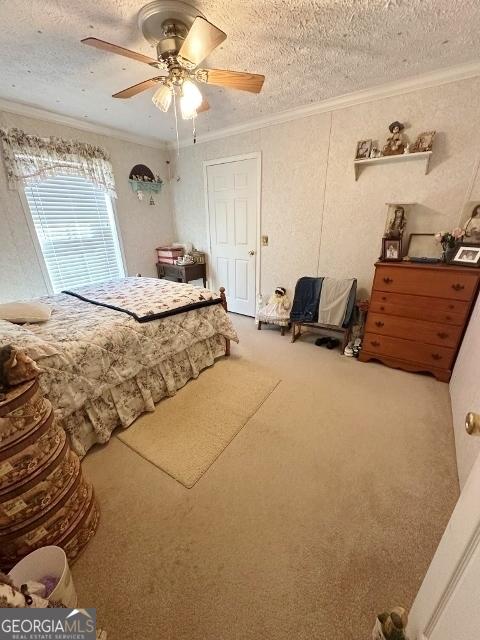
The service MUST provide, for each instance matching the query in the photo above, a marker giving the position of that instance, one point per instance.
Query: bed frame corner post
(223, 298)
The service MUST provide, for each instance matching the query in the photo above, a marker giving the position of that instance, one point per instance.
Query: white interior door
(447, 606)
(232, 200)
(465, 395)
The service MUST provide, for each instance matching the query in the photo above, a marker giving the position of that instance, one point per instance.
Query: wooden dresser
(418, 315)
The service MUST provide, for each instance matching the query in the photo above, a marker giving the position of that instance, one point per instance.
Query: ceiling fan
(183, 38)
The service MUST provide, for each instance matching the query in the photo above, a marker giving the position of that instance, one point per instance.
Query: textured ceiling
(309, 50)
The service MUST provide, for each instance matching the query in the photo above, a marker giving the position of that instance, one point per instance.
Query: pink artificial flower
(438, 236)
(458, 233)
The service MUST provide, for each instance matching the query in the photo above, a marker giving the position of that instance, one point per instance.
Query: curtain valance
(29, 158)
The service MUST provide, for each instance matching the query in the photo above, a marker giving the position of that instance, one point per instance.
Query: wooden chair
(343, 332)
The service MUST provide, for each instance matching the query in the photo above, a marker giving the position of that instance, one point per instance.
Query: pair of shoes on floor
(330, 343)
(348, 351)
(352, 350)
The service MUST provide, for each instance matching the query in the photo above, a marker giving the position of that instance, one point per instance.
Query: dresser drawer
(440, 284)
(408, 350)
(421, 308)
(416, 330)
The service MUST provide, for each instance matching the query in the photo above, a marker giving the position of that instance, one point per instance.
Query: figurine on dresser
(276, 311)
(472, 226)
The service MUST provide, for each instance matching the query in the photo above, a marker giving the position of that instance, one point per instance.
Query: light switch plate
(264, 241)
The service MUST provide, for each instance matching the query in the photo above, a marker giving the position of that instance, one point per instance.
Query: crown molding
(22, 109)
(387, 90)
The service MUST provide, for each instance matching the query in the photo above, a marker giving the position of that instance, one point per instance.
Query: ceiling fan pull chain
(176, 120)
(194, 124)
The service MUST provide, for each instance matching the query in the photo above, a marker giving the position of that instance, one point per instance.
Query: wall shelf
(145, 185)
(404, 157)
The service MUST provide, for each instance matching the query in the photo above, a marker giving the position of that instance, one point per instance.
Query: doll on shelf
(395, 143)
(276, 311)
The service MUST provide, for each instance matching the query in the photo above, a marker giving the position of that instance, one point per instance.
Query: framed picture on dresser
(423, 245)
(391, 249)
(468, 255)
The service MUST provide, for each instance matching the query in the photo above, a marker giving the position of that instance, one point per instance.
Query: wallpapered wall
(318, 219)
(142, 226)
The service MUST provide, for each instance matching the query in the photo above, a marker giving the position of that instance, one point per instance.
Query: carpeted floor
(325, 509)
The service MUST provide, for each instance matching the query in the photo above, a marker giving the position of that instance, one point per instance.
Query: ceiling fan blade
(204, 106)
(138, 88)
(121, 51)
(201, 40)
(252, 82)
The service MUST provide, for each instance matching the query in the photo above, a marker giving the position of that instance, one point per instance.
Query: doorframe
(255, 155)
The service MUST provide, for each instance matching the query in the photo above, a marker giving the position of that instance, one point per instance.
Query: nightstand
(182, 273)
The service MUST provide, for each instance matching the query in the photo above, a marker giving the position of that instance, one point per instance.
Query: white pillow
(25, 311)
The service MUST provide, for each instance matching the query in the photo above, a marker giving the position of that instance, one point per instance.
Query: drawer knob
(379, 323)
(448, 317)
(451, 306)
(436, 356)
(442, 335)
(382, 308)
(375, 343)
(458, 287)
(387, 280)
(384, 298)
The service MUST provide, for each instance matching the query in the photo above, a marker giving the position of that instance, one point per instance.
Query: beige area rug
(187, 433)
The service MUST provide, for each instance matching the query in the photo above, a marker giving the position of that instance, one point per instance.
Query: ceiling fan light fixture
(162, 98)
(190, 100)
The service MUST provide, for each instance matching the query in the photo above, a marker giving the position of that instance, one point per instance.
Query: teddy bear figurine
(391, 626)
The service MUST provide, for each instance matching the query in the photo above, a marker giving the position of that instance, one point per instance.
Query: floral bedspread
(91, 356)
(146, 299)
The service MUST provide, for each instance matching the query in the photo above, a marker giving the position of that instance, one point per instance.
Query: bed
(109, 353)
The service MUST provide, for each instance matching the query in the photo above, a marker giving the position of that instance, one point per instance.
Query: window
(76, 230)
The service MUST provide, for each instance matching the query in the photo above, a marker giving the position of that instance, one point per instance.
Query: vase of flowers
(449, 241)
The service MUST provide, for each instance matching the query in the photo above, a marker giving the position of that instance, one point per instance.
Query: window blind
(76, 231)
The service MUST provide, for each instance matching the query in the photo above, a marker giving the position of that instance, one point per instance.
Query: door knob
(251, 252)
(472, 423)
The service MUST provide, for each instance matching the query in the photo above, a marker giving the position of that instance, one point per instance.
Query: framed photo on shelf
(424, 142)
(391, 249)
(363, 149)
(468, 255)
